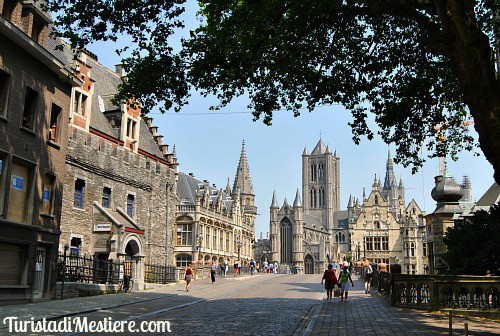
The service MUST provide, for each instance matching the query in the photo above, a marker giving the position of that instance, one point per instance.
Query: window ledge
(53, 144)
(78, 209)
(46, 215)
(27, 130)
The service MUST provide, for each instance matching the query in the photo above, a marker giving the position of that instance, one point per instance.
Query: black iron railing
(159, 274)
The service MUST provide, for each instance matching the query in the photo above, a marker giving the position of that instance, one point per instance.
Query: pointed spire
(297, 203)
(320, 148)
(285, 202)
(364, 194)
(349, 204)
(274, 203)
(328, 150)
(228, 187)
(375, 183)
(242, 179)
(305, 152)
(336, 155)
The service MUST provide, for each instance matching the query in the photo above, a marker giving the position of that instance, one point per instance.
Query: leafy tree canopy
(422, 68)
(473, 247)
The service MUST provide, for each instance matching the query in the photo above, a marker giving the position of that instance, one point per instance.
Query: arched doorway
(308, 264)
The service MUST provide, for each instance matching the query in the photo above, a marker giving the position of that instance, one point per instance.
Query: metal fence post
(66, 247)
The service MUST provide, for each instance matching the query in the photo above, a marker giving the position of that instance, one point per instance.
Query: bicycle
(126, 284)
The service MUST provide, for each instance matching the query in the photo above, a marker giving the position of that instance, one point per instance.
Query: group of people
(344, 280)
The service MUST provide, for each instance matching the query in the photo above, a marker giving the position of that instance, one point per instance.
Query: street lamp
(199, 239)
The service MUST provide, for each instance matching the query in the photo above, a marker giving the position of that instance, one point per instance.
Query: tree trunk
(473, 57)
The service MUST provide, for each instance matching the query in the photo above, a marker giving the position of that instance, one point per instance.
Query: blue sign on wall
(17, 182)
(46, 195)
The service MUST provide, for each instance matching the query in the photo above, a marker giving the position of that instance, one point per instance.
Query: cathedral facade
(314, 230)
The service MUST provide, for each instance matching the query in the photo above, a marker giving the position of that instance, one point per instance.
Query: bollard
(450, 324)
(466, 329)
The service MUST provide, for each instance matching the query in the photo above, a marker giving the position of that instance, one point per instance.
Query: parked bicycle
(126, 284)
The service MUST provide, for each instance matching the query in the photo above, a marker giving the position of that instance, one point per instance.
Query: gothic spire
(242, 179)
(274, 203)
(228, 187)
(297, 203)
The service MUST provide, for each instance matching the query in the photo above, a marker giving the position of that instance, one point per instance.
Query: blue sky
(208, 144)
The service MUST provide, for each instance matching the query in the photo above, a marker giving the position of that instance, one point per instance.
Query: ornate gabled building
(118, 202)
(215, 224)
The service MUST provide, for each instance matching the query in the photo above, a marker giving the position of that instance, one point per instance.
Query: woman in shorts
(188, 276)
(344, 279)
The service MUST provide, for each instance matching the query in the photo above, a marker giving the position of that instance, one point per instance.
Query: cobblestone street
(263, 304)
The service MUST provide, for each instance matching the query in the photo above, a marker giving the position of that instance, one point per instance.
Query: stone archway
(309, 264)
(134, 260)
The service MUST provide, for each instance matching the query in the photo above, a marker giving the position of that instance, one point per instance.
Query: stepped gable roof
(146, 141)
(320, 148)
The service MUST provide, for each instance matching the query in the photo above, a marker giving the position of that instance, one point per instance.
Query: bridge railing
(441, 291)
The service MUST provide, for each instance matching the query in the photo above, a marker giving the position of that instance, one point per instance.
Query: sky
(208, 144)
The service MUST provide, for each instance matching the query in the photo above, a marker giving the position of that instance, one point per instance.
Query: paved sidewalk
(371, 314)
(56, 309)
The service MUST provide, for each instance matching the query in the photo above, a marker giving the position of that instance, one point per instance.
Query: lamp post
(66, 247)
(238, 244)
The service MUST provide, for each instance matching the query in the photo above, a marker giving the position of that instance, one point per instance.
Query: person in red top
(330, 280)
(188, 277)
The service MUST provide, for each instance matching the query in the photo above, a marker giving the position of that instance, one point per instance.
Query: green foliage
(410, 64)
(473, 247)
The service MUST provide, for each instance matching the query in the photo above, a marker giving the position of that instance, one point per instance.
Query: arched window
(323, 198)
(412, 249)
(376, 199)
(337, 237)
(377, 225)
(182, 260)
(320, 199)
(343, 237)
(311, 198)
(286, 241)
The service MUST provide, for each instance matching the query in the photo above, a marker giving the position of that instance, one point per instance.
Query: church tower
(244, 189)
(321, 183)
(392, 192)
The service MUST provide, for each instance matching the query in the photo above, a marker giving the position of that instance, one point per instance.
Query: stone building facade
(214, 224)
(34, 107)
(119, 200)
(380, 227)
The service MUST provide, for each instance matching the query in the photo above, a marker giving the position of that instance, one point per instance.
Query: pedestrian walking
(235, 268)
(257, 268)
(188, 276)
(226, 266)
(368, 271)
(213, 271)
(275, 268)
(252, 266)
(266, 266)
(330, 280)
(271, 267)
(344, 278)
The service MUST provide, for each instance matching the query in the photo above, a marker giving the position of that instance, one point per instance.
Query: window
(79, 192)
(183, 260)
(4, 92)
(377, 225)
(37, 29)
(80, 103)
(214, 243)
(376, 199)
(29, 112)
(184, 234)
(207, 237)
(412, 249)
(424, 249)
(385, 243)
(55, 113)
(130, 205)
(48, 194)
(377, 243)
(221, 241)
(20, 205)
(75, 246)
(131, 126)
(106, 197)
(227, 241)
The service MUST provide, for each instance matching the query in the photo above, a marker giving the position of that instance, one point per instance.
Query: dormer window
(79, 103)
(131, 126)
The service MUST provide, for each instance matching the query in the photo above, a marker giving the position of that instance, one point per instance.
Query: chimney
(191, 174)
(119, 70)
